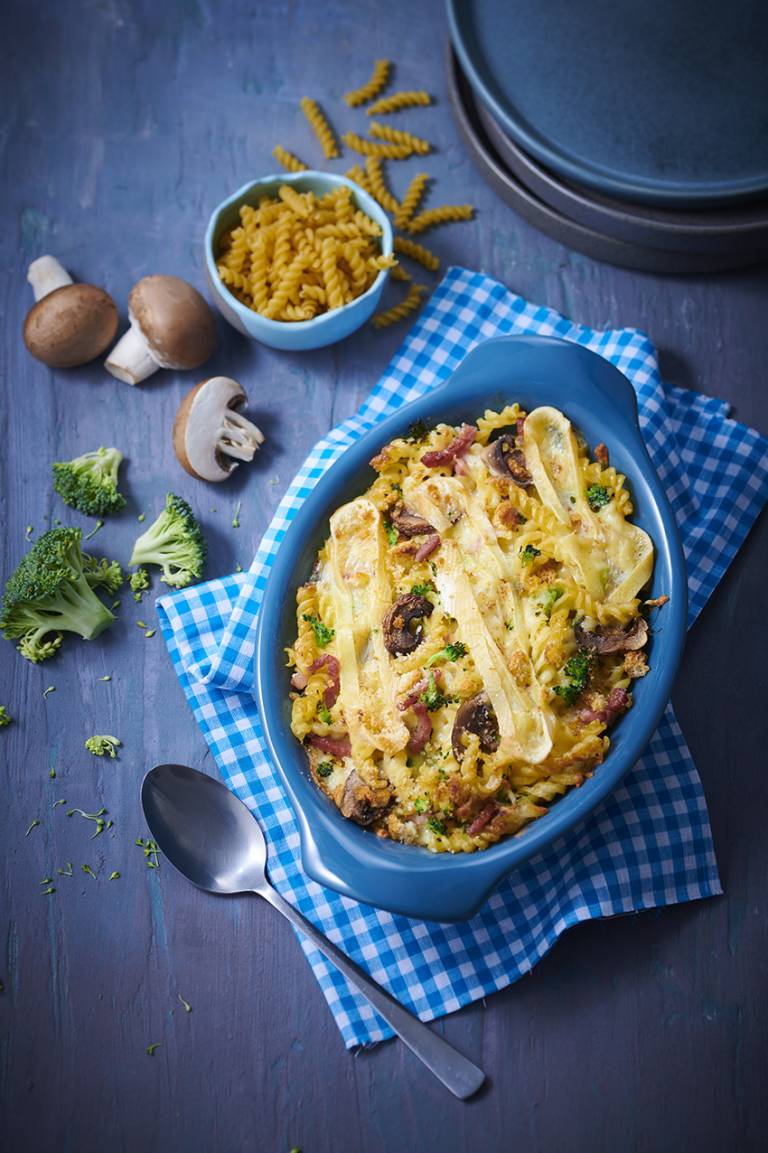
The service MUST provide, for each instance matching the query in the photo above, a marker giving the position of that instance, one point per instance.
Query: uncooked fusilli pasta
(320, 127)
(411, 200)
(288, 160)
(375, 172)
(446, 214)
(375, 148)
(417, 252)
(406, 306)
(377, 82)
(397, 101)
(397, 136)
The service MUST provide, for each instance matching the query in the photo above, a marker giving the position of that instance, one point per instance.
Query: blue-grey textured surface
(122, 124)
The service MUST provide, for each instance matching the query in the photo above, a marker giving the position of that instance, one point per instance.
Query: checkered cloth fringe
(648, 844)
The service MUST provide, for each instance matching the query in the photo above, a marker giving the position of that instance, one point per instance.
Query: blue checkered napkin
(648, 844)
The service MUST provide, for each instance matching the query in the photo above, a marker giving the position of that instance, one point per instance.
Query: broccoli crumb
(5, 717)
(103, 746)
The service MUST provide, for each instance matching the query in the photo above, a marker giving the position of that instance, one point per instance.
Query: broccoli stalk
(89, 482)
(174, 542)
(48, 594)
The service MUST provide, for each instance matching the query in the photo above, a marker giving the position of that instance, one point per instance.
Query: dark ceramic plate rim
(580, 169)
(408, 879)
(597, 245)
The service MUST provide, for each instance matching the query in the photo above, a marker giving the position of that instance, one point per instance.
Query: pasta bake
(471, 630)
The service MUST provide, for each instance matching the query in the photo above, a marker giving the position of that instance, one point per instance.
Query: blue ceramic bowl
(408, 879)
(295, 336)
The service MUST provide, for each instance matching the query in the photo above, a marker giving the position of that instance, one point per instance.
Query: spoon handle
(456, 1072)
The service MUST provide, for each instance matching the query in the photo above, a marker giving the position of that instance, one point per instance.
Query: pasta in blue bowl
(478, 660)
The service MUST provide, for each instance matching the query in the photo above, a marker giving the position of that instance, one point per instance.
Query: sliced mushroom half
(361, 802)
(476, 716)
(505, 459)
(403, 624)
(606, 639)
(210, 434)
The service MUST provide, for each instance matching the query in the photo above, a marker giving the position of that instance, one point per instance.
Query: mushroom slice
(171, 327)
(210, 435)
(70, 323)
(361, 802)
(476, 716)
(403, 624)
(613, 638)
(505, 459)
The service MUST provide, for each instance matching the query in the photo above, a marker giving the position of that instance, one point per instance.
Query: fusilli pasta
(397, 101)
(375, 147)
(411, 200)
(367, 91)
(320, 127)
(417, 252)
(397, 136)
(288, 160)
(378, 185)
(410, 303)
(445, 214)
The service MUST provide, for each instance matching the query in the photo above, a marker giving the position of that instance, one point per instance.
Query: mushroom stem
(238, 434)
(130, 360)
(46, 275)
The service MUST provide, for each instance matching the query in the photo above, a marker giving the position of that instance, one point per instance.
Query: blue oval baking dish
(408, 879)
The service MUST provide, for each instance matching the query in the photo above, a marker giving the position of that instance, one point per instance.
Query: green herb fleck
(151, 1048)
(151, 852)
(391, 532)
(46, 881)
(436, 826)
(48, 691)
(50, 889)
(529, 553)
(34, 825)
(61, 801)
(416, 432)
(66, 872)
(114, 876)
(236, 517)
(324, 769)
(52, 774)
(577, 670)
(5, 717)
(421, 804)
(186, 1004)
(87, 869)
(451, 652)
(103, 746)
(553, 593)
(323, 634)
(324, 713)
(598, 496)
(99, 524)
(423, 590)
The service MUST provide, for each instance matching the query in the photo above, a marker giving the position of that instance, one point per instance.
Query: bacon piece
(601, 454)
(331, 692)
(456, 448)
(430, 544)
(616, 704)
(299, 680)
(422, 730)
(482, 819)
(336, 746)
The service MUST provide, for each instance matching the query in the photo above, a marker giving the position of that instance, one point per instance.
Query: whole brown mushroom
(171, 327)
(70, 323)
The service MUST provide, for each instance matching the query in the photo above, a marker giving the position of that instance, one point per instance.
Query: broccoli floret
(174, 542)
(451, 652)
(553, 594)
(529, 554)
(102, 573)
(89, 482)
(598, 496)
(577, 669)
(48, 594)
(139, 582)
(5, 719)
(432, 697)
(324, 634)
(103, 746)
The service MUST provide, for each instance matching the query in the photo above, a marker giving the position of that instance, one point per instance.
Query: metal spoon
(213, 839)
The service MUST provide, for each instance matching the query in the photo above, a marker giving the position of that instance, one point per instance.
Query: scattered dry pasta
(399, 273)
(298, 255)
(446, 214)
(361, 180)
(288, 160)
(378, 81)
(411, 200)
(417, 252)
(405, 307)
(320, 127)
(397, 101)
(375, 148)
(397, 136)
(375, 173)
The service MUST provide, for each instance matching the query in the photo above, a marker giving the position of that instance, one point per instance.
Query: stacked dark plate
(634, 132)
